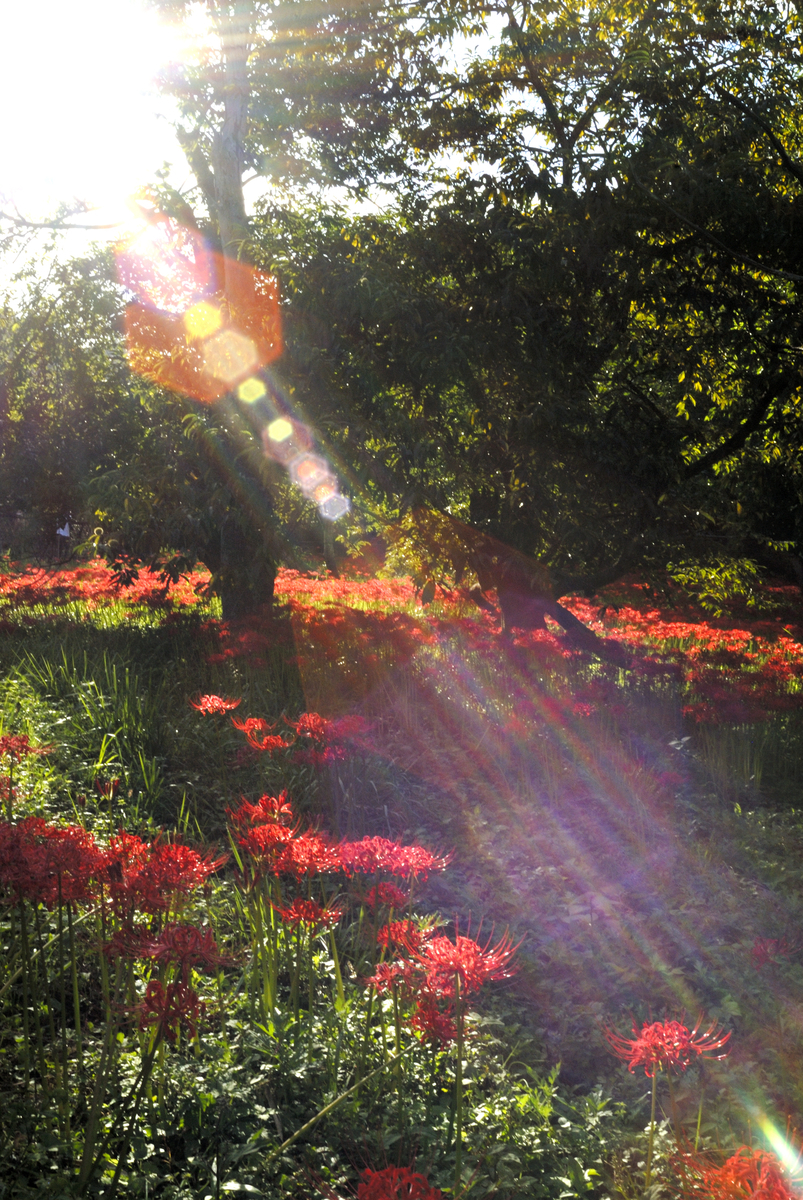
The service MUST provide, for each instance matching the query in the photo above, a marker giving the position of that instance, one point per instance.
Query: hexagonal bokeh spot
(325, 489)
(202, 320)
(251, 390)
(286, 440)
(279, 430)
(229, 355)
(308, 471)
(334, 507)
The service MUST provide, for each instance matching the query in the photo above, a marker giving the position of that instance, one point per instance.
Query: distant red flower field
(736, 669)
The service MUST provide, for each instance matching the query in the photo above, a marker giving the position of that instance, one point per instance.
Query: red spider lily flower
(747, 1175)
(404, 975)
(388, 894)
(310, 854)
(187, 946)
(108, 788)
(395, 1183)
(309, 913)
(42, 863)
(433, 1025)
(325, 756)
(660, 1045)
(328, 740)
(403, 933)
(22, 869)
(266, 843)
(311, 725)
(266, 810)
(214, 704)
(168, 1006)
(373, 854)
(769, 950)
(444, 960)
(125, 858)
(147, 877)
(258, 732)
(131, 941)
(172, 870)
(18, 746)
(71, 859)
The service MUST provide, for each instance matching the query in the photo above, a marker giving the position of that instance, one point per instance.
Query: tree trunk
(247, 574)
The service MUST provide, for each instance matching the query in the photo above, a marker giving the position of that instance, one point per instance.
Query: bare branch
(62, 223)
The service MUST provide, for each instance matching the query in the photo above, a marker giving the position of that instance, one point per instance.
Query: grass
(637, 828)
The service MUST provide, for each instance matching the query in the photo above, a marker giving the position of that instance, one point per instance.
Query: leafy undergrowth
(634, 822)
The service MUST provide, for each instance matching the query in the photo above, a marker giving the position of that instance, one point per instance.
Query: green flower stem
(222, 1011)
(48, 1005)
(26, 1033)
(65, 1103)
(396, 1022)
(75, 996)
(9, 804)
(137, 1092)
(104, 966)
(341, 993)
(33, 978)
(699, 1121)
(258, 953)
(296, 977)
(356, 941)
(364, 1051)
(458, 1101)
(648, 1174)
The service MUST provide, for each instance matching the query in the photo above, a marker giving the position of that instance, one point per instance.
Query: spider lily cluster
(128, 911)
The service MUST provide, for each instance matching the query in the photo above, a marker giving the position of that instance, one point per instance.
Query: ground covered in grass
(383, 868)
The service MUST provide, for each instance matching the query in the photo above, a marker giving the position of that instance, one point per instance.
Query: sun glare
(83, 117)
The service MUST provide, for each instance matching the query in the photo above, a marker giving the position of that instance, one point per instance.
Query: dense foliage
(571, 327)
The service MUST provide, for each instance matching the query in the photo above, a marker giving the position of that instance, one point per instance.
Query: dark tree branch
(792, 167)
(565, 585)
(737, 439)
(200, 168)
(537, 82)
(714, 240)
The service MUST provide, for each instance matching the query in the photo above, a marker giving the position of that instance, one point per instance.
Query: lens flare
(308, 471)
(279, 430)
(168, 267)
(198, 324)
(229, 355)
(334, 508)
(202, 320)
(324, 490)
(293, 441)
(783, 1149)
(251, 390)
(204, 325)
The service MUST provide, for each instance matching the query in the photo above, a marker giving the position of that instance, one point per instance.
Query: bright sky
(81, 117)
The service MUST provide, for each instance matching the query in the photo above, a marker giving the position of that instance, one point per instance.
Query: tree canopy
(563, 318)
